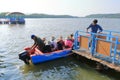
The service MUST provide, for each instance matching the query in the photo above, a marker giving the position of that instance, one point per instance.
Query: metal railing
(108, 37)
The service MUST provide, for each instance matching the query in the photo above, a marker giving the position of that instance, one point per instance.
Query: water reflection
(59, 69)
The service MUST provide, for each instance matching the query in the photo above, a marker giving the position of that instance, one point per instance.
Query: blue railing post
(109, 36)
(93, 43)
(115, 49)
(76, 40)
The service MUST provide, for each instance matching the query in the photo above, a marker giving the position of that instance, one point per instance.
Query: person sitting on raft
(60, 44)
(44, 40)
(62, 41)
(38, 42)
(53, 44)
(68, 43)
(72, 37)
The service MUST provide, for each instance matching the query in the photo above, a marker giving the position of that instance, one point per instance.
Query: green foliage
(3, 14)
(35, 15)
(104, 15)
(48, 16)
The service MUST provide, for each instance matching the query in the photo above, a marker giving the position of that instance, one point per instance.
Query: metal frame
(109, 36)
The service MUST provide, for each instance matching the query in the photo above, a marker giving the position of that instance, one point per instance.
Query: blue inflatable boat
(51, 56)
(39, 57)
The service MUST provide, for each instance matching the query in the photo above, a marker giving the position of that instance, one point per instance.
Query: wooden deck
(87, 55)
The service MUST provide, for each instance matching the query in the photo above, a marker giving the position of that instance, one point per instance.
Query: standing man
(95, 27)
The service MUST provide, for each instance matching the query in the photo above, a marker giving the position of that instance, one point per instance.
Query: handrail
(109, 38)
(111, 31)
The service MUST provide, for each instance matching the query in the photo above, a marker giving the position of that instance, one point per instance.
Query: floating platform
(103, 48)
(90, 57)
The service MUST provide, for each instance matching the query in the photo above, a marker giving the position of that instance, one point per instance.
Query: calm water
(13, 38)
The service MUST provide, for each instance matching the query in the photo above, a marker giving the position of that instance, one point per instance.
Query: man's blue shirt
(95, 28)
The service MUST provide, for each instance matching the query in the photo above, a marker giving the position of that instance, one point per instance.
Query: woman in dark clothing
(60, 44)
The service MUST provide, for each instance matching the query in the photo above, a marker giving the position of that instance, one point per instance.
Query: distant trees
(4, 15)
(104, 15)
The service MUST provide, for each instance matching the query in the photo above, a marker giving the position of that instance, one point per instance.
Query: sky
(61, 7)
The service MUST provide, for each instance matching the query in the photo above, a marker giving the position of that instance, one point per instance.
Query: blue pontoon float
(38, 57)
(51, 56)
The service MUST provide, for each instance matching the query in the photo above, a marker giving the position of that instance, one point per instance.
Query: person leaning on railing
(95, 28)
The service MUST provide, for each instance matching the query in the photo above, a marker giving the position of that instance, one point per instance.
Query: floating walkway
(90, 57)
(103, 48)
(13, 18)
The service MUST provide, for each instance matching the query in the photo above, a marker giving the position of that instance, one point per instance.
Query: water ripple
(14, 38)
